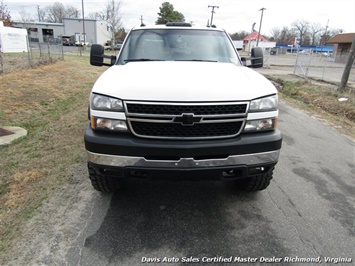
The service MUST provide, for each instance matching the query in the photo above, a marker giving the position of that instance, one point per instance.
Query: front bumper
(108, 143)
(129, 156)
(125, 161)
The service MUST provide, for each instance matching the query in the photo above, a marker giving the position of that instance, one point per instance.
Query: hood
(182, 81)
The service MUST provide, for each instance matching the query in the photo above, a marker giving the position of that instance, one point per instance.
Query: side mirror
(257, 57)
(97, 56)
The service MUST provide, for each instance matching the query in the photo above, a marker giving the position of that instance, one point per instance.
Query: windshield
(178, 45)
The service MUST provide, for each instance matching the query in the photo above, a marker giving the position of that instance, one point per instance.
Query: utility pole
(325, 34)
(347, 69)
(261, 21)
(38, 14)
(212, 12)
(82, 4)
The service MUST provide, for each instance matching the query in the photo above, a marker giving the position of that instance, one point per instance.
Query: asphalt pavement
(306, 213)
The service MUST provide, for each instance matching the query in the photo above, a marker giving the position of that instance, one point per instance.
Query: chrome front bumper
(128, 161)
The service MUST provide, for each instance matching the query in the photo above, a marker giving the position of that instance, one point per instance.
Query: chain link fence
(305, 63)
(309, 65)
(38, 54)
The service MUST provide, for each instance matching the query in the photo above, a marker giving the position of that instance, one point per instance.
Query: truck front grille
(186, 121)
(173, 130)
(166, 109)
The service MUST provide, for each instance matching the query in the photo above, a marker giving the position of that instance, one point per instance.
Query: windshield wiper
(141, 59)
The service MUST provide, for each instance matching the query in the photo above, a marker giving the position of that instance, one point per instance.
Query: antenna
(142, 24)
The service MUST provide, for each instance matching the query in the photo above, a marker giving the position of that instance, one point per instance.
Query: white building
(97, 31)
(42, 31)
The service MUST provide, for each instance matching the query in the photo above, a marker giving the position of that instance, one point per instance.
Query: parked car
(66, 41)
(117, 46)
(273, 51)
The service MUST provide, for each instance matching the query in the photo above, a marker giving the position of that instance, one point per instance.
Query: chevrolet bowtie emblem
(187, 119)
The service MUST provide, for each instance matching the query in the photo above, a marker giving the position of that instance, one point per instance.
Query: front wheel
(101, 182)
(255, 183)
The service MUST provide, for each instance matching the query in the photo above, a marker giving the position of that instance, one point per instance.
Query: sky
(232, 15)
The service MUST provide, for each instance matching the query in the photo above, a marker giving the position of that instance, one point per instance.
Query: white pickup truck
(178, 102)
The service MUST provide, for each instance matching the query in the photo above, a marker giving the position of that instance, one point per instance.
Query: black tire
(255, 183)
(101, 182)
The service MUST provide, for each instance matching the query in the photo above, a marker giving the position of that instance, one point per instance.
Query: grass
(326, 99)
(51, 103)
(322, 102)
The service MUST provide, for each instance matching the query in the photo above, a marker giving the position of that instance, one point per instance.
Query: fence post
(1, 64)
(325, 65)
(296, 63)
(48, 47)
(62, 49)
(40, 50)
(29, 51)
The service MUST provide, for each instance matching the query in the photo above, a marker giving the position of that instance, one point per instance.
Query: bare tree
(301, 26)
(71, 12)
(41, 13)
(25, 15)
(328, 34)
(275, 33)
(332, 32)
(314, 31)
(97, 15)
(58, 11)
(286, 35)
(55, 13)
(113, 16)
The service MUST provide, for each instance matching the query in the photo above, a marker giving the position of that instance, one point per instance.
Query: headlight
(100, 102)
(260, 125)
(269, 103)
(108, 124)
